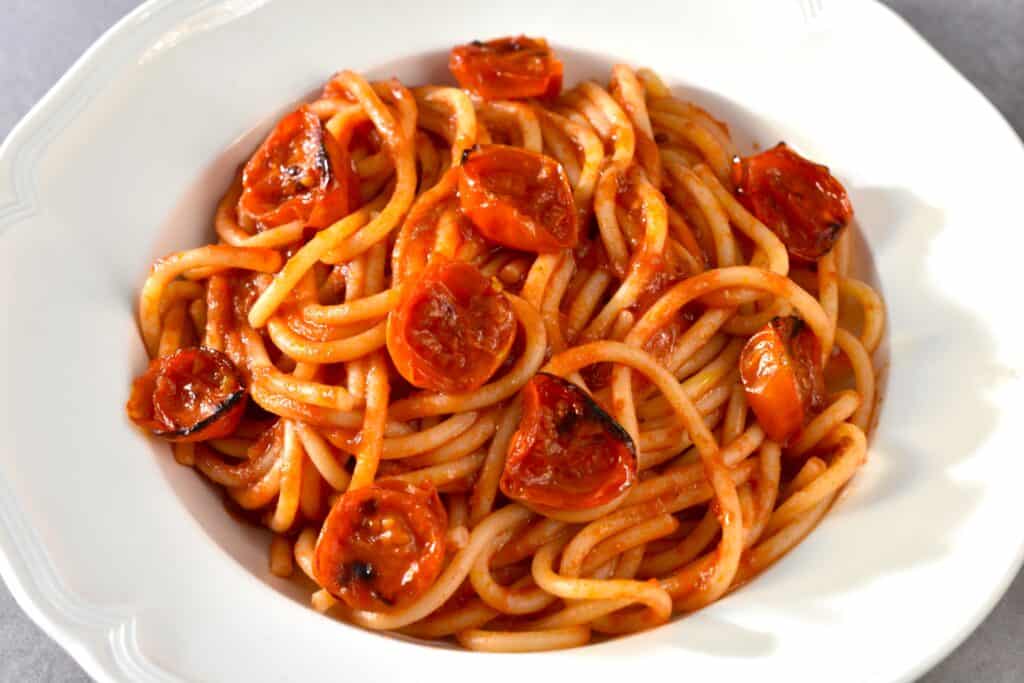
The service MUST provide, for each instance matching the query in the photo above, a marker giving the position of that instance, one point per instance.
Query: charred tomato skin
(382, 545)
(299, 173)
(568, 453)
(194, 394)
(799, 200)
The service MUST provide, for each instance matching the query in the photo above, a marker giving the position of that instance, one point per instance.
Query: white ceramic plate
(129, 560)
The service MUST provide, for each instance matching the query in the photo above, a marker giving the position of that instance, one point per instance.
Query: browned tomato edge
(222, 410)
(600, 413)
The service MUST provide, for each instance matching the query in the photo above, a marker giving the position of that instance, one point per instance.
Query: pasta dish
(516, 364)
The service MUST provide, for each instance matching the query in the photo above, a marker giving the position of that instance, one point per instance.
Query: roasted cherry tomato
(342, 194)
(383, 545)
(782, 373)
(799, 200)
(300, 172)
(192, 395)
(518, 199)
(451, 330)
(507, 68)
(417, 241)
(568, 453)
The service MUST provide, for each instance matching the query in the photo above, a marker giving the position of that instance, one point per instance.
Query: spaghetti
(513, 365)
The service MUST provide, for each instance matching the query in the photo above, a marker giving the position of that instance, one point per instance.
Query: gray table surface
(984, 39)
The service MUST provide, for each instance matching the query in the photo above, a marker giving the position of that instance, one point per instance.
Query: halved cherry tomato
(382, 545)
(416, 244)
(799, 200)
(782, 373)
(518, 199)
(507, 68)
(342, 194)
(300, 172)
(194, 394)
(452, 329)
(568, 453)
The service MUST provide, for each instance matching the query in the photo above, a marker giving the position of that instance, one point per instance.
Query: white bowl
(129, 560)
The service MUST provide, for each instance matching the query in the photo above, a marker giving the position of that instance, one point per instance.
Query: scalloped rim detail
(39, 584)
(103, 639)
(24, 564)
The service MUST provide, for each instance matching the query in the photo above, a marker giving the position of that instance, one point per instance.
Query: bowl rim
(66, 617)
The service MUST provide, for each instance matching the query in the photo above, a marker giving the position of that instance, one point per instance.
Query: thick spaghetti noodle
(516, 365)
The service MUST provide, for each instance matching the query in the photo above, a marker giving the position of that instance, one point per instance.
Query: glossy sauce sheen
(568, 453)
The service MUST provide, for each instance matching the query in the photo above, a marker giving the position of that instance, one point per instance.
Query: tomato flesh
(192, 395)
(519, 199)
(507, 68)
(416, 244)
(341, 197)
(383, 545)
(299, 173)
(568, 453)
(783, 377)
(797, 199)
(452, 329)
